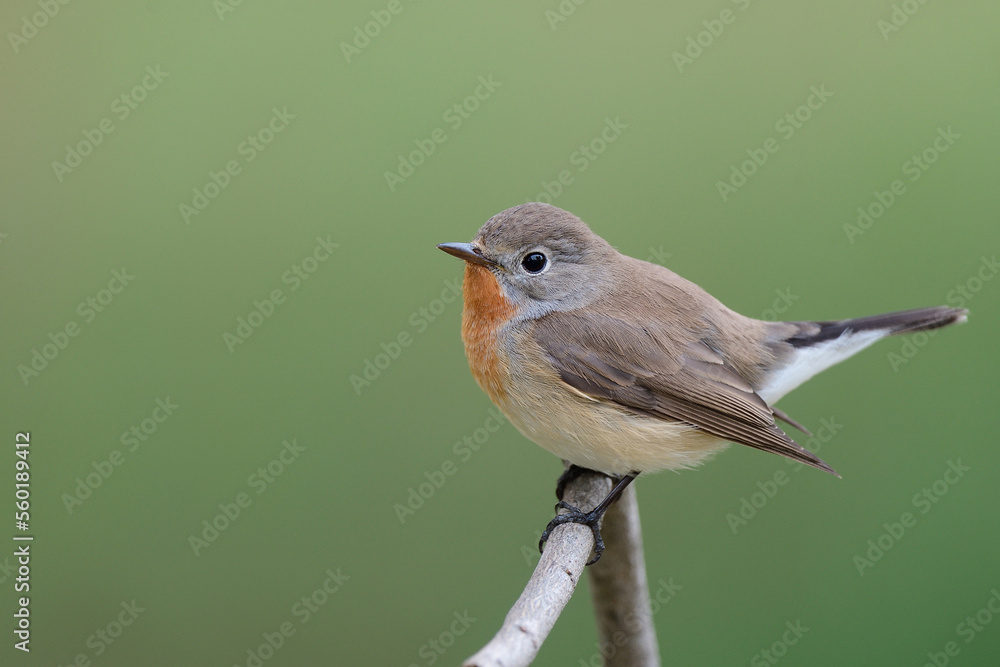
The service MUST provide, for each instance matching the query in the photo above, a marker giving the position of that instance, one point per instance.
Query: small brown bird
(622, 366)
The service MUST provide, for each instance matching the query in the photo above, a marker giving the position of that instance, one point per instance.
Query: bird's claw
(575, 515)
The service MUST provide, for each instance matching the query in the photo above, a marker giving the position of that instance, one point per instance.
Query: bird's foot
(590, 519)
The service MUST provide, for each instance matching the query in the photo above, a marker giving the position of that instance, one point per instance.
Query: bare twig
(531, 618)
(621, 594)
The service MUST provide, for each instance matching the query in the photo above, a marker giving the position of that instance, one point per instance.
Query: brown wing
(689, 383)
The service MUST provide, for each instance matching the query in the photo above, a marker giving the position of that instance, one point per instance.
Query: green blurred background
(776, 247)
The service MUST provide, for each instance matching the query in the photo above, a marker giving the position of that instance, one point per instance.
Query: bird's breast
(485, 311)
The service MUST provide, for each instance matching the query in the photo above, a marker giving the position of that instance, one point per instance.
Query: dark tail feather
(905, 321)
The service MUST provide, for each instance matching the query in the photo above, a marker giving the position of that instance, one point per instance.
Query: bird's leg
(591, 519)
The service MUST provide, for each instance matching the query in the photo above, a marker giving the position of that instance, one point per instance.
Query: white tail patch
(808, 361)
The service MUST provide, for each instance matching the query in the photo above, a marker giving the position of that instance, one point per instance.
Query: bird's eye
(534, 262)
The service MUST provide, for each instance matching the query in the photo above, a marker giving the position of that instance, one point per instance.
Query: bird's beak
(468, 252)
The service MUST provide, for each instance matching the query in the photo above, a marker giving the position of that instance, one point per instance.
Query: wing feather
(677, 380)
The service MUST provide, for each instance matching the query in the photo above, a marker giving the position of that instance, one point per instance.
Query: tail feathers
(815, 346)
(905, 321)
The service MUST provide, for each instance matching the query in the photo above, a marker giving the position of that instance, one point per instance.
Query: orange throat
(485, 311)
